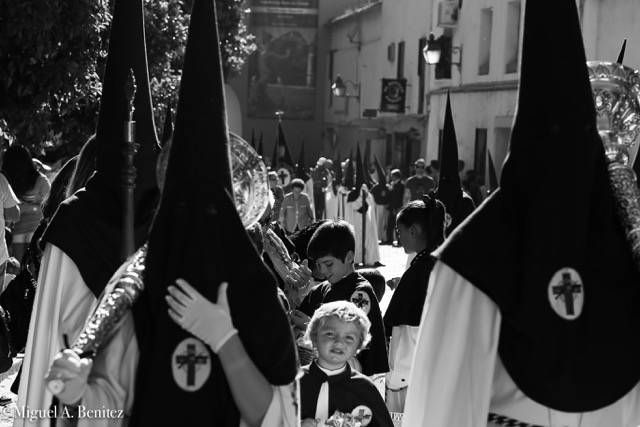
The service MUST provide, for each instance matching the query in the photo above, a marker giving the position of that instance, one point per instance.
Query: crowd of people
(274, 319)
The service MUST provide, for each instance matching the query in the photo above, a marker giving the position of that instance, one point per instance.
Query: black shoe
(378, 264)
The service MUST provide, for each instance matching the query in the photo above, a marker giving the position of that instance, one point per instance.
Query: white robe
(331, 204)
(457, 377)
(372, 249)
(382, 219)
(308, 188)
(61, 306)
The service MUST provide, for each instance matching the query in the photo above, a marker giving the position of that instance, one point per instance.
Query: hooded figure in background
(381, 193)
(83, 242)
(359, 212)
(331, 189)
(457, 203)
(533, 300)
(208, 333)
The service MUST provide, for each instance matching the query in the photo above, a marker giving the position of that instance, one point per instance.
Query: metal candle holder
(616, 94)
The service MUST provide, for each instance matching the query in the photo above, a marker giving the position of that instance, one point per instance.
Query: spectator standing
(10, 213)
(418, 184)
(296, 212)
(31, 187)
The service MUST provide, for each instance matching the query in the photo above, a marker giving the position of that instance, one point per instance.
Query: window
(513, 37)
(484, 52)
(443, 68)
(480, 155)
(400, 73)
(421, 74)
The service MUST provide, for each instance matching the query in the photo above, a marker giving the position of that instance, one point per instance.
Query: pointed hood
(621, 54)
(337, 169)
(301, 169)
(260, 145)
(449, 188)
(349, 173)
(360, 177)
(493, 176)
(554, 258)
(87, 226)
(379, 190)
(167, 131)
(281, 155)
(366, 161)
(382, 178)
(197, 196)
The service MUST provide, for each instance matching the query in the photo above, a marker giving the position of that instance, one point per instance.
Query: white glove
(194, 313)
(73, 371)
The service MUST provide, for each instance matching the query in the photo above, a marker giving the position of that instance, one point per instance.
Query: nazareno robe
(458, 378)
(358, 290)
(405, 307)
(349, 392)
(354, 217)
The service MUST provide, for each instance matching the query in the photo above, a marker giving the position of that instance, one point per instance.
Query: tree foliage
(49, 55)
(52, 53)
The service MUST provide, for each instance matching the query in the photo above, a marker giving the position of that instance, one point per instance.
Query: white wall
(408, 21)
(486, 110)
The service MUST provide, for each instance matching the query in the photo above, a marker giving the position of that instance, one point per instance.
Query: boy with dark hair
(332, 248)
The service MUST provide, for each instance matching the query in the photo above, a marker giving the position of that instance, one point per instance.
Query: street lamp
(432, 50)
(339, 88)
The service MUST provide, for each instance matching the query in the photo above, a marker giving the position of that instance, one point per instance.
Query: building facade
(375, 41)
(366, 41)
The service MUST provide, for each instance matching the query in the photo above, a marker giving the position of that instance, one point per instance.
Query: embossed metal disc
(250, 186)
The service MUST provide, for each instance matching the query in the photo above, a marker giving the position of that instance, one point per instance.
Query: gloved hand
(208, 321)
(68, 367)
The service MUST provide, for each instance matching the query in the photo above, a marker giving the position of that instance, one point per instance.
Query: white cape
(457, 377)
(331, 204)
(61, 306)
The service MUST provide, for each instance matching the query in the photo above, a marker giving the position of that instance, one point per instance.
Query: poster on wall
(282, 70)
(393, 95)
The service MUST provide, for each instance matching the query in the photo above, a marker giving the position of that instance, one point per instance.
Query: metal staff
(129, 150)
(125, 288)
(364, 208)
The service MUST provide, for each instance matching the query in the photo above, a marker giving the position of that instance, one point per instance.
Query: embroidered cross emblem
(282, 175)
(567, 290)
(362, 414)
(361, 299)
(190, 360)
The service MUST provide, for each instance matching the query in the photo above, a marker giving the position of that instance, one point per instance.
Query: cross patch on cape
(191, 364)
(566, 293)
(362, 414)
(362, 300)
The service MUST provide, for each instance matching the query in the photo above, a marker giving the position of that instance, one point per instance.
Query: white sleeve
(283, 409)
(111, 383)
(451, 377)
(61, 306)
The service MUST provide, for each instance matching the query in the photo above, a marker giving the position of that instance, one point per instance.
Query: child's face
(405, 237)
(337, 342)
(334, 269)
